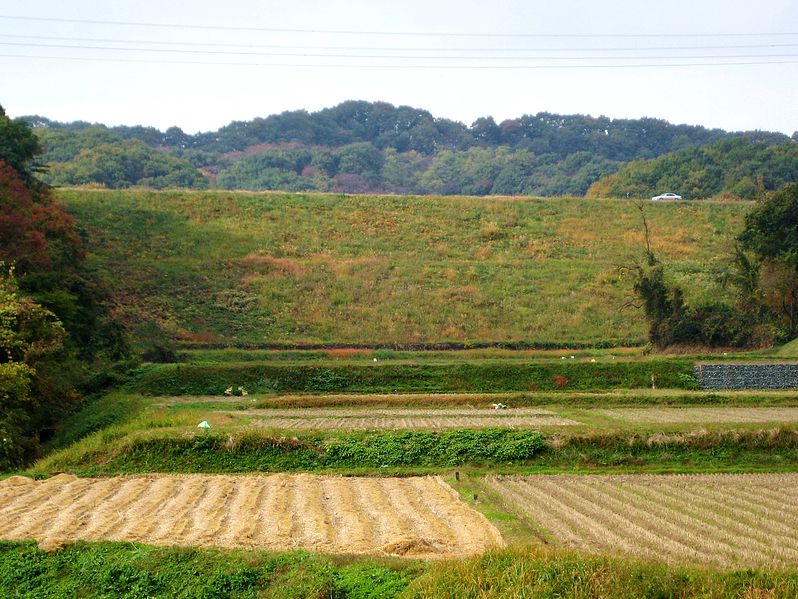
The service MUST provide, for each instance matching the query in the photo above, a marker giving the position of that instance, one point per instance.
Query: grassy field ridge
(253, 269)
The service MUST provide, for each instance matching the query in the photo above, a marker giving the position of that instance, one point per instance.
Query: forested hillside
(737, 167)
(359, 147)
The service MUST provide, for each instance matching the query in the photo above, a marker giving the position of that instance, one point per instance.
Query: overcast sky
(460, 59)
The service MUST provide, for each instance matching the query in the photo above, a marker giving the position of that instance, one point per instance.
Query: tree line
(59, 338)
(738, 167)
(359, 147)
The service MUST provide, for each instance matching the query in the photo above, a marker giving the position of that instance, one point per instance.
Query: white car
(667, 196)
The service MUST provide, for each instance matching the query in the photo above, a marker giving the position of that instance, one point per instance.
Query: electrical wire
(395, 66)
(396, 33)
(398, 48)
(386, 56)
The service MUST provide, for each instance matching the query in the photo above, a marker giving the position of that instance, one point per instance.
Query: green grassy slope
(242, 268)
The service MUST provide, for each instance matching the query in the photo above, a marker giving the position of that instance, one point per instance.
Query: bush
(157, 345)
(450, 448)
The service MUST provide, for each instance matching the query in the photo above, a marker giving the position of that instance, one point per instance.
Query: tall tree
(34, 389)
(771, 232)
(18, 146)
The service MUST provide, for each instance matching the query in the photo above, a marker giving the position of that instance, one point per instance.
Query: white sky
(120, 90)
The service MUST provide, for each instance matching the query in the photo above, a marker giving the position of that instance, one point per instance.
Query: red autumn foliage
(35, 232)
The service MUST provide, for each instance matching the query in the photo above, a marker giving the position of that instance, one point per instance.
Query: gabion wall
(747, 376)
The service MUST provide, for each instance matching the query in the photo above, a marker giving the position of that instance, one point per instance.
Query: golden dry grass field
(416, 516)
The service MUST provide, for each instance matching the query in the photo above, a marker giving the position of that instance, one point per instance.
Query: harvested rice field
(403, 412)
(728, 415)
(420, 423)
(393, 418)
(721, 520)
(417, 516)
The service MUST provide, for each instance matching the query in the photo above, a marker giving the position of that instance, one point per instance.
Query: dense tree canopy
(126, 163)
(18, 146)
(771, 228)
(377, 147)
(35, 391)
(739, 167)
(771, 233)
(52, 313)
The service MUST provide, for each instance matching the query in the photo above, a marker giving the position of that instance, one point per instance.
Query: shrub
(560, 381)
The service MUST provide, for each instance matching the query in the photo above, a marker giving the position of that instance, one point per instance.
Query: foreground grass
(277, 268)
(525, 572)
(129, 570)
(133, 570)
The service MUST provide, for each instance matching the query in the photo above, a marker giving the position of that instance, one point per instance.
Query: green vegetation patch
(541, 573)
(214, 379)
(127, 570)
(695, 451)
(737, 167)
(261, 451)
(98, 413)
(395, 452)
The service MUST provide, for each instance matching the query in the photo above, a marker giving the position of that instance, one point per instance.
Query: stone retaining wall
(747, 376)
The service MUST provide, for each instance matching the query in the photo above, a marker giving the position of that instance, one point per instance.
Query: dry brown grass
(743, 520)
(287, 266)
(579, 231)
(666, 415)
(397, 418)
(381, 412)
(420, 517)
(416, 423)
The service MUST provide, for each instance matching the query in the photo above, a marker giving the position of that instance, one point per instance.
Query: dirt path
(418, 517)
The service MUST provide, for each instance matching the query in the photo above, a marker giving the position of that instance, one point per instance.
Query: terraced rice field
(741, 520)
(701, 415)
(403, 412)
(394, 418)
(420, 516)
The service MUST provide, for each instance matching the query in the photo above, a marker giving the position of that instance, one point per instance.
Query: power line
(399, 48)
(386, 56)
(395, 66)
(394, 33)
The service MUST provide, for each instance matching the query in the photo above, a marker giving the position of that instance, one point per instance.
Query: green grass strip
(409, 452)
(207, 379)
(126, 570)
